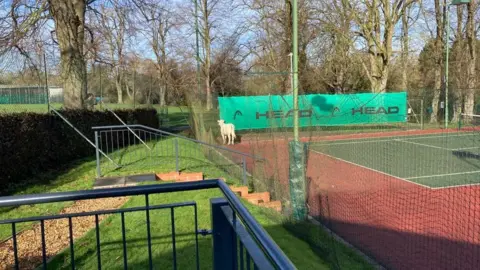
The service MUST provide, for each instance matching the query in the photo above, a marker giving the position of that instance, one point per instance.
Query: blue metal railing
(235, 231)
(125, 145)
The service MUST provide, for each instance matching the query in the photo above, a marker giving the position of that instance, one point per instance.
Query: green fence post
(421, 114)
(297, 179)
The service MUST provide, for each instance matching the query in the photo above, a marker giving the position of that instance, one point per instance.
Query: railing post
(97, 153)
(176, 156)
(224, 238)
(244, 175)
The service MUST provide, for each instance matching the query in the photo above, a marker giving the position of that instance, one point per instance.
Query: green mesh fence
(23, 99)
(405, 191)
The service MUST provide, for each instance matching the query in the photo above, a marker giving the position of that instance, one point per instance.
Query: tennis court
(434, 161)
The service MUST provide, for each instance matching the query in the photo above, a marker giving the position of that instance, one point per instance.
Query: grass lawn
(78, 176)
(137, 159)
(307, 245)
(316, 252)
(81, 175)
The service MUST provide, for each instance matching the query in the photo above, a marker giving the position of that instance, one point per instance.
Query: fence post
(176, 156)
(298, 153)
(421, 113)
(97, 153)
(224, 239)
(244, 175)
(460, 122)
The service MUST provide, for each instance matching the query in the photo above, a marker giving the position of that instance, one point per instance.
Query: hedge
(32, 143)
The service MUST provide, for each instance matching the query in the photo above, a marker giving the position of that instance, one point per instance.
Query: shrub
(32, 143)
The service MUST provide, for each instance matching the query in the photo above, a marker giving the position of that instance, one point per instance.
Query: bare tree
(472, 57)
(438, 57)
(112, 21)
(376, 20)
(459, 56)
(69, 17)
(273, 28)
(336, 19)
(207, 22)
(158, 21)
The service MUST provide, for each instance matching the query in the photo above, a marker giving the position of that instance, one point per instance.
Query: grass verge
(317, 253)
(308, 248)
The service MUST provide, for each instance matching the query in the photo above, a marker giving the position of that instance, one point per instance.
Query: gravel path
(57, 236)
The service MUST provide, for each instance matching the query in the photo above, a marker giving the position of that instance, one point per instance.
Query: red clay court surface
(400, 224)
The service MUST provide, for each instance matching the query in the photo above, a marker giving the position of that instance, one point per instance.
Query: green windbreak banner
(259, 112)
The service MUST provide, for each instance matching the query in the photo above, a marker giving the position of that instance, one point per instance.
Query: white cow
(228, 131)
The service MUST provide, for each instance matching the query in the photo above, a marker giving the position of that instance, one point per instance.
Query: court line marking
(433, 135)
(437, 147)
(440, 175)
(406, 179)
(465, 148)
(457, 186)
(371, 169)
(392, 138)
(422, 144)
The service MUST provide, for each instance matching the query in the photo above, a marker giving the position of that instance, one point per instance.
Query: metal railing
(238, 239)
(140, 145)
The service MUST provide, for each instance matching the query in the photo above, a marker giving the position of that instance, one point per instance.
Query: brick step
(275, 205)
(241, 191)
(179, 177)
(257, 197)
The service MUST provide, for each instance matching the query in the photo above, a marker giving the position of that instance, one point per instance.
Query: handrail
(258, 232)
(83, 136)
(181, 137)
(121, 121)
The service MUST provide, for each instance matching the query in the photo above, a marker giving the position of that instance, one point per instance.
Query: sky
(226, 22)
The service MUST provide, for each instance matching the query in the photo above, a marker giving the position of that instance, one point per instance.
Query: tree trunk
(208, 54)
(209, 92)
(436, 94)
(69, 18)
(405, 48)
(127, 88)
(118, 85)
(286, 46)
(439, 48)
(472, 56)
(379, 74)
(457, 105)
(162, 94)
(458, 52)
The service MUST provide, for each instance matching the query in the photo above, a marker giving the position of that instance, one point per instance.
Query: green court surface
(436, 160)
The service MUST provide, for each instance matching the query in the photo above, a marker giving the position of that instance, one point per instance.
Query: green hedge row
(32, 143)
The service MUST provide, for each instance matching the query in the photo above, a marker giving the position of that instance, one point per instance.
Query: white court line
(422, 144)
(377, 171)
(465, 148)
(437, 147)
(438, 175)
(457, 186)
(357, 141)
